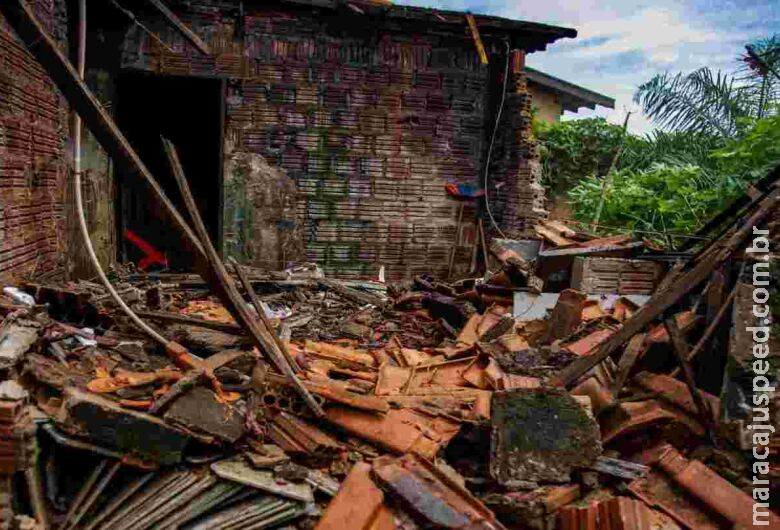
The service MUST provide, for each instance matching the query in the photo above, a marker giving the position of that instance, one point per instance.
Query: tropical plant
(712, 102)
(660, 199)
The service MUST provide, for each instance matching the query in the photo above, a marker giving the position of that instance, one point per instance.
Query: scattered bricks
(630, 418)
(540, 436)
(16, 339)
(302, 439)
(615, 276)
(431, 495)
(567, 314)
(400, 430)
(358, 504)
(617, 513)
(105, 422)
(534, 510)
(715, 492)
(676, 393)
(199, 411)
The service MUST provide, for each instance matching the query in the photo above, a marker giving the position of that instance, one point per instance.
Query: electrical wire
(80, 203)
(492, 141)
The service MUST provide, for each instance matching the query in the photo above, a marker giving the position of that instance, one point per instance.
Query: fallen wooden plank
(181, 27)
(719, 251)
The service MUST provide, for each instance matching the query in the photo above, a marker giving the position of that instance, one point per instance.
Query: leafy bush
(572, 150)
(755, 153)
(662, 198)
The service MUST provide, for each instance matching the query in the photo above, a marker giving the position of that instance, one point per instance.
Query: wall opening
(190, 112)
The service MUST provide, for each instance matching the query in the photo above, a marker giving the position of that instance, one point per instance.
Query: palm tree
(711, 102)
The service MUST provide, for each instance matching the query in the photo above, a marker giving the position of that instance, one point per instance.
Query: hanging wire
(492, 141)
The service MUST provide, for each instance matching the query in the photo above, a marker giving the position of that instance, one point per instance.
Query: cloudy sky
(622, 43)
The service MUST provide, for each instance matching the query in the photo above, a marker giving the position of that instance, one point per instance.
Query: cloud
(623, 43)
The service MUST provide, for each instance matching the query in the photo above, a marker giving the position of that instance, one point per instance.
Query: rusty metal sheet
(431, 495)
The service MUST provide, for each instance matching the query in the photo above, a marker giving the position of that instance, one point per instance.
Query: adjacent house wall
(369, 119)
(547, 104)
(33, 163)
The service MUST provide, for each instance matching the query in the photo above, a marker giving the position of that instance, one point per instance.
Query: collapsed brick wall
(371, 124)
(33, 165)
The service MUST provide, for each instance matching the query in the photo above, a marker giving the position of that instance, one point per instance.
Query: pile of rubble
(556, 392)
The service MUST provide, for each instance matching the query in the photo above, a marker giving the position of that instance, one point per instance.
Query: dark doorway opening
(189, 111)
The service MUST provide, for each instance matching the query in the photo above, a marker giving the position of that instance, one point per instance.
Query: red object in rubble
(151, 254)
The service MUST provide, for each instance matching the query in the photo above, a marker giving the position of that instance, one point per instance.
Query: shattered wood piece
(16, 339)
(236, 470)
(712, 489)
(662, 300)
(468, 336)
(183, 385)
(535, 510)
(358, 505)
(341, 355)
(541, 435)
(631, 354)
(295, 435)
(676, 392)
(257, 304)
(187, 320)
(722, 501)
(567, 314)
(127, 379)
(483, 58)
(592, 311)
(181, 27)
(620, 468)
(400, 430)
(560, 228)
(632, 417)
(553, 236)
(431, 495)
(337, 394)
(354, 295)
(600, 396)
(212, 268)
(199, 410)
(468, 403)
(265, 456)
(583, 346)
(105, 422)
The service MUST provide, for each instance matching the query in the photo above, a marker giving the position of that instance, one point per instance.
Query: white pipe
(81, 62)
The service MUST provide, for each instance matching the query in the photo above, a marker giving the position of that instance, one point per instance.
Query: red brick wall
(33, 165)
(370, 120)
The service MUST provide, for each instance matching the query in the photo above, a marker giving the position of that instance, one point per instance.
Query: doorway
(190, 112)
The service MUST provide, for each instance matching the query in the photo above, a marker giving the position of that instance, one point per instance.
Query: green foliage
(662, 198)
(572, 150)
(755, 153)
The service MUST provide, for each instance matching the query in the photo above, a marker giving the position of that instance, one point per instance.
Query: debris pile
(557, 392)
